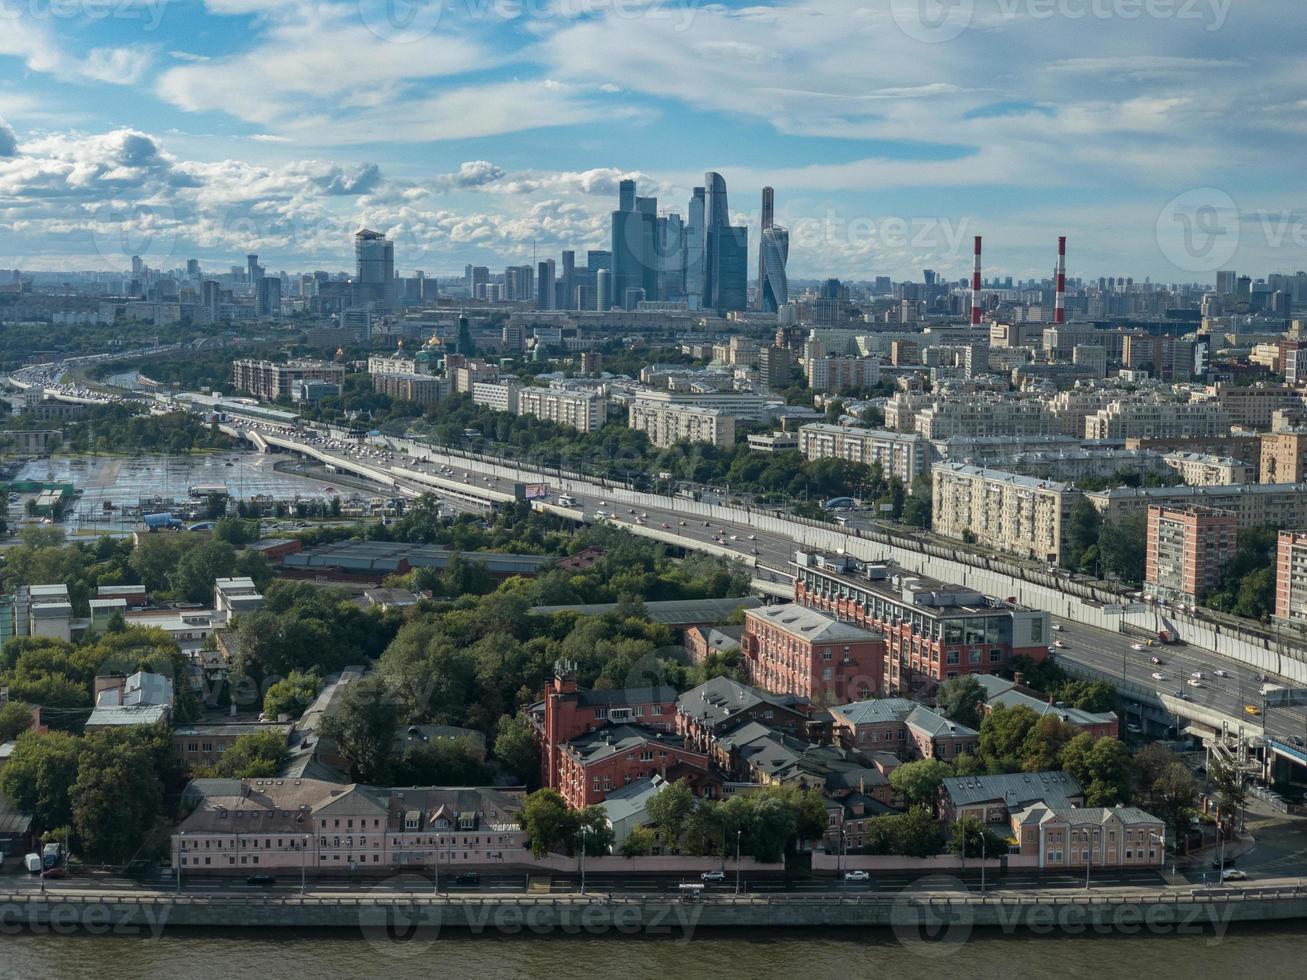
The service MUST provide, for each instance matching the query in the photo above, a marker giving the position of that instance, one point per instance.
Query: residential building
(1089, 837)
(669, 423)
(904, 727)
(1157, 420)
(901, 454)
(1204, 469)
(773, 442)
(793, 649)
(585, 411)
(420, 389)
(1006, 511)
(834, 374)
(1188, 550)
(318, 827)
(568, 712)
(705, 714)
(1291, 576)
(701, 642)
(202, 746)
(933, 631)
(1284, 456)
(496, 396)
(994, 799)
(1256, 504)
(591, 766)
(268, 381)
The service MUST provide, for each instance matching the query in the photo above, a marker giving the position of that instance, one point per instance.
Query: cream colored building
(1204, 469)
(666, 423)
(584, 411)
(1157, 420)
(1005, 511)
(901, 454)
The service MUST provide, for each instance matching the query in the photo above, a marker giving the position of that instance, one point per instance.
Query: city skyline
(231, 126)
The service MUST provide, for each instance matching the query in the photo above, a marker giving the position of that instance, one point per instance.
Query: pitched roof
(716, 702)
(1015, 790)
(811, 625)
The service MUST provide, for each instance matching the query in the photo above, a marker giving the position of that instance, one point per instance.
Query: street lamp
(181, 849)
(983, 834)
(738, 832)
(583, 830)
(304, 863)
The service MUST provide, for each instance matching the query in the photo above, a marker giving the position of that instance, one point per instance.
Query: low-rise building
(994, 799)
(593, 765)
(907, 728)
(202, 746)
(701, 642)
(793, 649)
(1094, 837)
(234, 596)
(1000, 692)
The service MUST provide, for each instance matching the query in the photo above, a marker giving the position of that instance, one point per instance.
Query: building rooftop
(1015, 790)
(603, 743)
(811, 625)
(118, 716)
(717, 701)
(670, 612)
(1004, 476)
(385, 558)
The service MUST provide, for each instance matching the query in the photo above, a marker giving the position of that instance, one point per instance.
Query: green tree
(1229, 787)
(548, 823)
(291, 695)
(255, 755)
(972, 839)
(669, 809)
(192, 579)
(1082, 532)
(1122, 548)
(1172, 798)
(1102, 766)
(39, 775)
(591, 831)
(517, 750)
(364, 728)
(1003, 736)
(914, 833)
(919, 782)
(447, 762)
(960, 698)
(15, 718)
(639, 843)
(117, 797)
(1044, 742)
(235, 531)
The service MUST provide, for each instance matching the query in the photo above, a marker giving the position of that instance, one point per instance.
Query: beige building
(1097, 837)
(268, 381)
(901, 454)
(1255, 504)
(666, 423)
(421, 389)
(1204, 469)
(1005, 511)
(1157, 420)
(830, 374)
(1284, 456)
(585, 411)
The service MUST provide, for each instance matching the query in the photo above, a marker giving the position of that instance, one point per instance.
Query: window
(951, 657)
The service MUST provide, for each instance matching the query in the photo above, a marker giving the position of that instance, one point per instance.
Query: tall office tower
(545, 288)
(252, 270)
(267, 297)
(467, 276)
(519, 283)
(138, 267)
(192, 268)
(633, 244)
(648, 208)
(209, 292)
(603, 290)
(671, 257)
(726, 251)
(773, 253)
(1225, 282)
(568, 285)
(374, 268)
(694, 242)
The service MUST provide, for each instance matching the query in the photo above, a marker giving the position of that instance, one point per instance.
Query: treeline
(129, 428)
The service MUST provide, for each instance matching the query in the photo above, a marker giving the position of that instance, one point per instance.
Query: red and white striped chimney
(1059, 297)
(975, 287)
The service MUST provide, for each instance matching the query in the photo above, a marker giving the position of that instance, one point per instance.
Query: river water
(1269, 952)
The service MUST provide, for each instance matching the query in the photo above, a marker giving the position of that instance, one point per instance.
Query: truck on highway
(51, 855)
(566, 500)
(156, 522)
(33, 864)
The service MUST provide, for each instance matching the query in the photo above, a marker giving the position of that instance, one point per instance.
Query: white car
(1158, 675)
(1059, 644)
(1136, 646)
(713, 876)
(857, 876)
(1197, 675)
(1058, 627)
(1221, 672)
(1194, 683)
(1233, 874)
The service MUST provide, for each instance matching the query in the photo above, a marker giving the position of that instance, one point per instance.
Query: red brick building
(594, 765)
(790, 649)
(568, 712)
(931, 631)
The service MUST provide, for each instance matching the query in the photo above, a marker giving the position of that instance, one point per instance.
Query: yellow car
(1252, 709)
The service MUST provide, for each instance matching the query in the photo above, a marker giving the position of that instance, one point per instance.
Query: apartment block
(666, 423)
(1291, 576)
(421, 389)
(832, 374)
(499, 397)
(933, 630)
(1157, 420)
(1284, 456)
(1203, 469)
(268, 381)
(1021, 515)
(1188, 549)
(585, 411)
(1254, 504)
(793, 649)
(901, 454)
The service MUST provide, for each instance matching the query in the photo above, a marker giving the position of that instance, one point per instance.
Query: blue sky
(892, 130)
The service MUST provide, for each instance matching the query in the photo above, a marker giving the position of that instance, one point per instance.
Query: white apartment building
(1254, 504)
(666, 423)
(395, 364)
(901, 454)
(1204, 469)
(1005, 511)
(496, 396)
(740, 404)
(1157, 420)
(585, 411)
(832, 374)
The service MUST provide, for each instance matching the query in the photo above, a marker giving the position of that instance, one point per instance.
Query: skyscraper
(267, 297)
(694, 245)
(252, 270)
(568, 285)
(633, 226)
(726, 251)
(546, 290)
(374, 268)
(773, 253)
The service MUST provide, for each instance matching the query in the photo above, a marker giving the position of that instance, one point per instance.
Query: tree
(117, 797)
(1003, 736)
(39, 775)
(291, 695)
(1122, 548)
(447, 762)
(919, 782)
(971, 838)
(364, 728)
(960, 698)
(15, 718)
(1172, 798)
(911, 834)
(517, 749)
(1102, 766)
(548, 823)
(639, 843)
(1044, 742)
(1229, 787)
(1096, 696)
(235, 531)
(1083, 529)
(192, 578)
(255, 755)
(592, 831)
(669, 809)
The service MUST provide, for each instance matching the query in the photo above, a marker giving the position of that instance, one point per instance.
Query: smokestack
(975, 287)
(1059, 298)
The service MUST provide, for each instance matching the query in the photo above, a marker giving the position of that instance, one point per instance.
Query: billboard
(536, 491)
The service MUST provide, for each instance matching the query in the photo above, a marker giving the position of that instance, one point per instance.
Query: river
(1268, 951)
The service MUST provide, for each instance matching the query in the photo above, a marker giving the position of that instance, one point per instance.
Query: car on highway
(1058, 627)
(1156, 661)
(1252, 709)
(1194, 682)
(1134, 729)
(713, 876)
(1221, 672)
(857, 876)
(1234, 874)
(1136, 646)
(1158, 675)
(1197, 675)
(55, 872)
(1059, 644)
(261, 879)
(468, 878)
